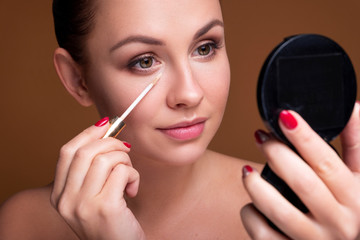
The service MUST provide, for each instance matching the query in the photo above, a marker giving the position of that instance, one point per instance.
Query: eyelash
(214, 46)
(134, 65)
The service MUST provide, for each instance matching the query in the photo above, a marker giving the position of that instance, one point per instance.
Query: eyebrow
(207, 28)
(154, 41)
(137, 38)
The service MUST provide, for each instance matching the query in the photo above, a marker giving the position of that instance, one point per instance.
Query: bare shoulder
(229, 170)
(233, 163)
(29, 215)
(227, 194)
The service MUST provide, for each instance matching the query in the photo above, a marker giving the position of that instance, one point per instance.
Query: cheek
(217, 85)
(110, 95)
(110, 105)
(145, 115)
(140, 125)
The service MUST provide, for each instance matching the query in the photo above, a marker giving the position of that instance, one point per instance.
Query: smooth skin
(168, 188)
(163, 187)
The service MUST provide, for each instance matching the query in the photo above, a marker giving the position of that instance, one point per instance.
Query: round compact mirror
(312, 75)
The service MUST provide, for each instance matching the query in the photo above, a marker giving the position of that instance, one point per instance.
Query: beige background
(38, 116)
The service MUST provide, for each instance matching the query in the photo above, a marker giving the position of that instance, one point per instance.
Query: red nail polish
(247, 170)
(102, 122)
(261, 136)
(288, 119)
(128, 145)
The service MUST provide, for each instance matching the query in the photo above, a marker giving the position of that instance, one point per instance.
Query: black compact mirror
(312, 75)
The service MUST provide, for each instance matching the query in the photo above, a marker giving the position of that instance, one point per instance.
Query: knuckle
(136, 173)
(63, 207)
(111, 208)
(105, 210)
(121, 169)
(101, 160)
(66, 151)
(125, 172)
(82, 153)
(53, 200)
(123, 157)
(111, 160)
(325, 167)
(83, 210)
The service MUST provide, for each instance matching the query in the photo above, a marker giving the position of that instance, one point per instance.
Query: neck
(165, 186)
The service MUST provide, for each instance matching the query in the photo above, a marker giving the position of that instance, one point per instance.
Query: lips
(184, 131)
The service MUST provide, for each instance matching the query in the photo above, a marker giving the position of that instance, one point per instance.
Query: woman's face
(132, 42)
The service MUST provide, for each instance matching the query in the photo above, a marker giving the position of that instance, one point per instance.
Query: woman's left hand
(326, 184)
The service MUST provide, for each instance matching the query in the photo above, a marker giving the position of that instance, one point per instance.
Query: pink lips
(185, 131)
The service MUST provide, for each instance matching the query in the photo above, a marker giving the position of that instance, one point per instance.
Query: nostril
(185, 92)
(180, 105)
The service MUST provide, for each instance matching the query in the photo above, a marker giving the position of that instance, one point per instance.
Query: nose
(185, 90)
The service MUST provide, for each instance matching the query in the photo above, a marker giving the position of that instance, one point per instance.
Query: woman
(160, 181)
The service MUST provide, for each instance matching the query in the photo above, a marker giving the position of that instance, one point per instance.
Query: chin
(185, 157)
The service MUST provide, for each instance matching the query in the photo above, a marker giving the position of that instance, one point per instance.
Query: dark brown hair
(73, 21)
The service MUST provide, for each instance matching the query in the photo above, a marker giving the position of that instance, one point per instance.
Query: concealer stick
(117, 123)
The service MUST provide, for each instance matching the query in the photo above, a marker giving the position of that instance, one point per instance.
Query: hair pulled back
(73, 21)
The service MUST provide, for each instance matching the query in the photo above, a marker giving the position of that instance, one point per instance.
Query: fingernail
(128, 145)
(261, 136)
(102, 122)
(247, 170)
(288, 119)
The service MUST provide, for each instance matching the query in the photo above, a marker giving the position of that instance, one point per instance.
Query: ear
(71, 76)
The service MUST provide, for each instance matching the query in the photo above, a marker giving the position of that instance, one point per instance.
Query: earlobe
(71, 76)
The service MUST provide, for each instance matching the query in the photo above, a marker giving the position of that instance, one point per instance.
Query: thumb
(350, 140)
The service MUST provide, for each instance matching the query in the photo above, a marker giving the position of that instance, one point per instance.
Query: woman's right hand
(92, 176)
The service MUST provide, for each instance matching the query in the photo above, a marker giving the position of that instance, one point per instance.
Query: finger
(122, 178)
(257, 226)
(350, 140)
(84, 158)
(302, 180)
(319, 155)
(67, 153)
(100, 169)
(277, 209)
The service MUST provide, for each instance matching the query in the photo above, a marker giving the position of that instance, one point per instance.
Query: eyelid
(137, 59)
(215, 35)
(214, 47)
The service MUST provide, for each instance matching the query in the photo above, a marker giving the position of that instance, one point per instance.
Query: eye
(205, 50)
(143, 63)
(146, 62)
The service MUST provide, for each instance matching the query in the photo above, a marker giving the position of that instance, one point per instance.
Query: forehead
(123, 17)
